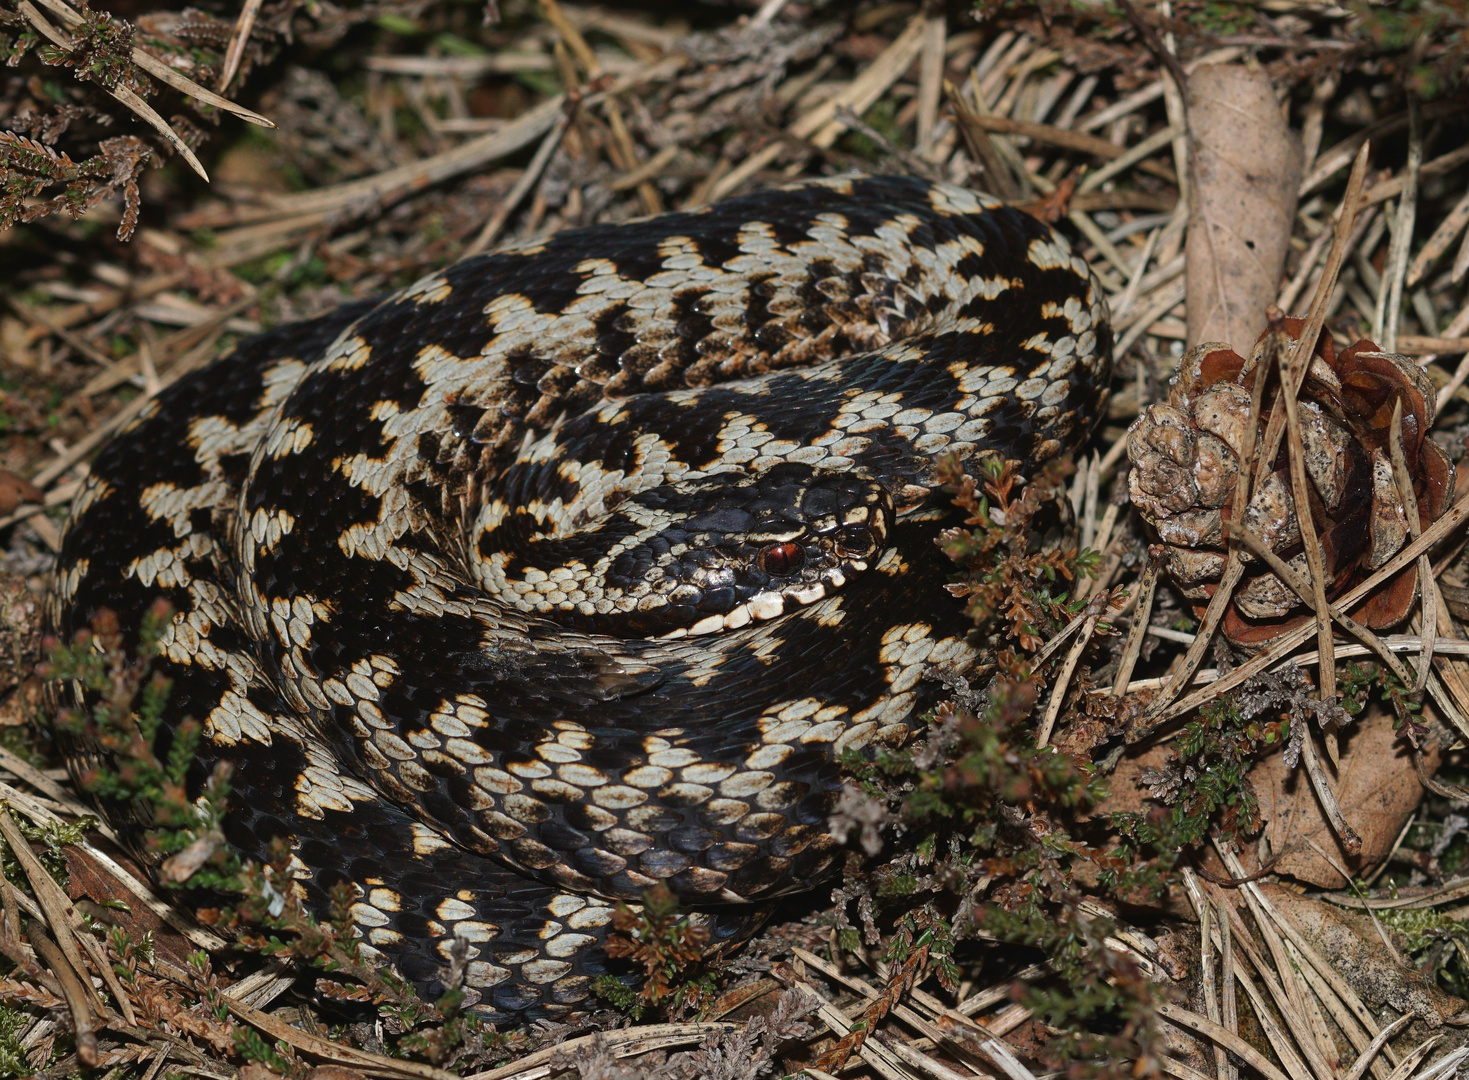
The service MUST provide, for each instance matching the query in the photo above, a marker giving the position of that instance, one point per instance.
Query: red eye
(782, 559)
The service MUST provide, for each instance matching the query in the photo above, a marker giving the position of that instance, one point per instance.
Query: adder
(579, 566)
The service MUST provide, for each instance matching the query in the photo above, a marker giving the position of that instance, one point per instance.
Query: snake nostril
(782, 559)
(855, 540)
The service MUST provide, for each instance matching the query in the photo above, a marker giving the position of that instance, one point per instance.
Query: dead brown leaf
(88, 880)
(1376, 785)
(1246, 172)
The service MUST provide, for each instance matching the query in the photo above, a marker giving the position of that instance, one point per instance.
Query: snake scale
(577, 567)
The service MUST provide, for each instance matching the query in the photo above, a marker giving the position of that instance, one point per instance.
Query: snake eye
(782, 559)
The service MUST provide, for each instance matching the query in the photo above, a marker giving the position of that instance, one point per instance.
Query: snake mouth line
(765, 606)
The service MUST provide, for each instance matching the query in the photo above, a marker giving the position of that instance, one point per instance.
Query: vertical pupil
(784, 558)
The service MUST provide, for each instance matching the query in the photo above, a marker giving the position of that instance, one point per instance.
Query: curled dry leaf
(1186, 462)
(1247, 170)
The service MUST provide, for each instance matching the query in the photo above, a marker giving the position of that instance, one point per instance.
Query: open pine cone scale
(1186, 461)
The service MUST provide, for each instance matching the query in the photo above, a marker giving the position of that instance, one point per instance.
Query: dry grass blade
(1405, 1070)
(1292, 377)
(930, 80)
(907, 1015)
(372, 1064)
(1447, 232)
(1301, 491)
(873, 1053)
(1146, 587)
(1204, 913)
(239, 38)
(1224, 1037)
(822, 125)
(1302, 588)
(71, 989)
(1428, 590)
(624, 153)
(1390, 294)
(1095, 610)
(1277, 1008)
(57, 907)
(386, 187)
(1369, 1055)
(1073, 140)
(1306, 347)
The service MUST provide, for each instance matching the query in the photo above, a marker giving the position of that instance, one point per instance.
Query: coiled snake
(576, 568)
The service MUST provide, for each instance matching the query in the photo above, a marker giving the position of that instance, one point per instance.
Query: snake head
(747, 547)
(703, 554)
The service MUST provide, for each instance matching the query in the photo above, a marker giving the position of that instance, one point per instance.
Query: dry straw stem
(121, 93)
(1217, 1033)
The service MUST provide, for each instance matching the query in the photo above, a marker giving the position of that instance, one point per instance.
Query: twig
(239, 38)
(71, 989)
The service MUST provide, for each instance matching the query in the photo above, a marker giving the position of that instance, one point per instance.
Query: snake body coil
(575, 568)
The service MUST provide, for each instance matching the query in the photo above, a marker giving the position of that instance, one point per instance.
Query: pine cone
(1186, 462)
